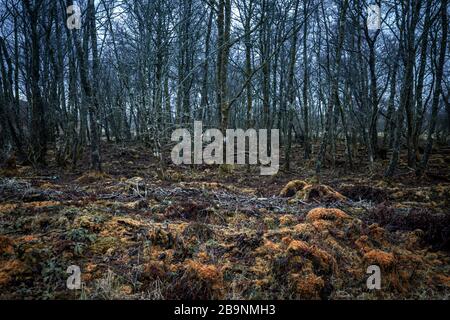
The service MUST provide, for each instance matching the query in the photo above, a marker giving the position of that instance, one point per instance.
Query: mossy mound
(291, 188)
(319, 192)
(304, 191)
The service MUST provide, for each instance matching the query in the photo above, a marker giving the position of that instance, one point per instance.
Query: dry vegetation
(198, 234)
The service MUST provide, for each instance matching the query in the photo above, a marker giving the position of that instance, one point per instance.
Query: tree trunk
(437, 89)
(334, 86)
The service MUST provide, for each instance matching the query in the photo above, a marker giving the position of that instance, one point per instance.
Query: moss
(322, 260)
(11, 270)
(304, 231)
(292, 187)
(161, 237)
(307, 286)
(155, 269)
(215, 240)
(380, 258)
(6, 246)
(270, 222)
(190, 210)
(319, 192)
(298, 247)
(47, 205)
(287, 220)
(103, 244)
(323, 225)
(363, 244)
(326, 214)
(127, 222)
(443, 280)
(198, 281)
(377, 233)
(201, 231)
(88, 222)
(8, 207)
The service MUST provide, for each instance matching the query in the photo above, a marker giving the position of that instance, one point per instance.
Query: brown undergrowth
(202, 236)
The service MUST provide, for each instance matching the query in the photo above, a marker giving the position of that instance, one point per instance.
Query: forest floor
(204, 233)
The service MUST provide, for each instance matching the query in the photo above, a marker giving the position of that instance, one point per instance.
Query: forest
(347, 100)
